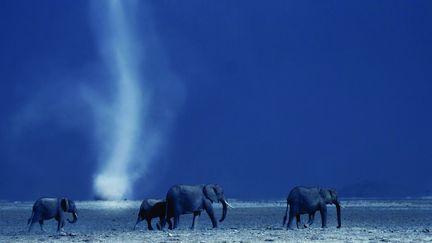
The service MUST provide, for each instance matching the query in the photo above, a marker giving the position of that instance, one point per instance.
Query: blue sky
(261, 96)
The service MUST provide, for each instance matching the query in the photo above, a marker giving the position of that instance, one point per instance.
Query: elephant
(308, 200)
(192, 199)
(152, 208)
(48, 208)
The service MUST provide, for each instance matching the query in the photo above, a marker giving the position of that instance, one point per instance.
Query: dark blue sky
(274, 94)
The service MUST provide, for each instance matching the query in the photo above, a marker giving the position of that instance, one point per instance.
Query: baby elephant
(308, 200)
(48, 208)
(152, 208)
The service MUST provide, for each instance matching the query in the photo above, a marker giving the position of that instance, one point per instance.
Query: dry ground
(362, 220)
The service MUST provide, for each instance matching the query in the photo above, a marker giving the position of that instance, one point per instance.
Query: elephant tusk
(229, 205)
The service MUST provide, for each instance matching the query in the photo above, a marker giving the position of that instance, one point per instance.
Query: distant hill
(378, 189)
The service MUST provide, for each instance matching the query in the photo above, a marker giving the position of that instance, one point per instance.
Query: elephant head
(69, 206)
(214, 193)
(330, 197)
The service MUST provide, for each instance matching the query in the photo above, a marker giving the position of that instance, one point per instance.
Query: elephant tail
(31, 218)
(286, 215)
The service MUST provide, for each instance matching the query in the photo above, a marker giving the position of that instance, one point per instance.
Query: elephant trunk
(224, 209)
(338, 212)
(75, 218)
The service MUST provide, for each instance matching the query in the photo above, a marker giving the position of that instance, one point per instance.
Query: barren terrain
(100, 221)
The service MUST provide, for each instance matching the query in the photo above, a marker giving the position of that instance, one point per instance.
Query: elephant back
(149, 203)
(293, 195)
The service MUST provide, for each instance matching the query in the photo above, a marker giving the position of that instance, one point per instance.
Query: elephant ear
(325, 194)
(333, 194)
(210, 193)
(64, 203)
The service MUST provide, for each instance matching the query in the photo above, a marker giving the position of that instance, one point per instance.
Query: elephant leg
(290, 219)
(298, 221)
(176, 221)
(60, 224)
(149, 225)
(161, 219)
(195, 219)
(169, 214)
(209, 210)
(41, 223)
(311, 219)
(323, 212)
(161, 223)
(170, 224)
(158, 225)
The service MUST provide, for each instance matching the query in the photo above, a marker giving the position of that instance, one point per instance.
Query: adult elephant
(192, 199)
(152, 208)
(308, 200)
(48, 208)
